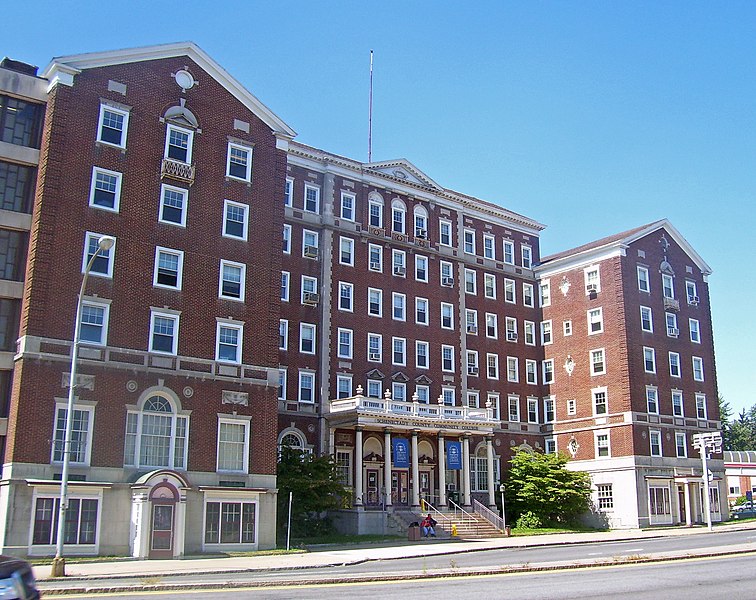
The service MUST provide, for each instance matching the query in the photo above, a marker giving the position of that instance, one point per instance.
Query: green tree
(316, 486)
(738, 433)
(541, 484)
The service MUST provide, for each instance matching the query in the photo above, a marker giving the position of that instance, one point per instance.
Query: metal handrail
(489, 515)
(468, 518)
(428, 507)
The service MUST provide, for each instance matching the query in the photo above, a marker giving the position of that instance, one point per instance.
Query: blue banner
(400, 453)
(454, 456)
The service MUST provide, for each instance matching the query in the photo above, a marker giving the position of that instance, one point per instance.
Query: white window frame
(695, 331)
(447, 307)
(190, 142)
(231, 325)
(109, 255)
(418, 303)
(528, 328)
(398, 311)
(469, 241)
(283, 334)
(184, 204)
(643, 311)
(649, 352)
(418, 345)
(544, 291)
(592, 319)
(513, 369)
(377, 265)
(593, 354)
(289, 192)
(644, 281)
(347, 335)
(286, 245)
(492, 366)
(547, 333)
(419, 260)
(513, 402)
(652, 400)
(447, 363)
(105, 307)
(305, 374)
(691, 292)
(471, 282)
(61, 410)
(588, 277)
(353, 198)
(547, 371)
(567, 328)
(489, 247)
(116, 193)
(173, 316)
(313, 282)
(698, 366)
(346, 286)
(245, 223)
(375, 352)
(316, 190)
(655, 443)
(600, 443)
(510, 291)
(492, 323)
(532, 405)
(373, 203)
(160, 250)
(681, 436)
(445, 231)
(285, 285)
(248, 166)
(309, 327)
(508, 248)
(701, 408)
(531, 371)
(399, 342)
(678, 404)
(242, 283)
(674, 361)
(399, 263)
(526, 255)
(489, 286)
(528, 295)
(349, 243)
(379, 292)
(235, 420)
(124, 131)
(600, 408)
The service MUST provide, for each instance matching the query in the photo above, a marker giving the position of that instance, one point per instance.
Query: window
(233, 445)
(232, 280)
(282, 377)
(548, 371)
(447, 359)
(652, 400)
(470, 282)
(347, 206)
(286, 241)
(549, 407)
(448, 395)
(375, 302)
(674, 364)
(113, 126)
(489, 286)
(105, 191)
(235, 219)
(306, 387)
(399, 352)
(567, 328)
(306, 338)
(103, 264)
(173, 203)
(605, 497)
(514, 408)
(472, 362)
(602, 444)
(492, 401)
(447, 278)
(399, 262)
(178, 144)
(513, 374)
(164, 332)
(344, 343)
(310, 243)
(531, 372)
(595, 321)
(643, 281)
(311, 198)
(239, 162)
(532, 410)
(288, 192)
(81, 521)
(529, 329)
(309, 290)
(423, 394)
(421, 268)
(346, 292)
(647, 323)
(698, 369)
(228, 522)
(655, 442)
(421, 311)
(285, 286)
(375, 349)
(550, 446)
(169, 265)
(649, 360)
(508, 252)
(20, 122)
(659, 504)
(346, 251)
(398, 212)
(527, 294)
(17, 184)
(545, 293)
(445, 232)
(677, 403)
(343, 386)
(376, 213)
(283, 334)
(511, 328)
(695, 331)
(473, 399)
(681, 445)
(671, 320)
(492, 366)
(471, 321)
(599, 401)
(447, 316)
(700, 406)
(546, 332)
(489, 247)
(81, 435)
(492, 329)
(398, 303)
(399, 391)
(421, 355)
(691, 292)
(228, 347)
(375, 258)
(571, 407)
(509, 291)
(93, 328)
(668, 286)
(156, 435)
(421, 222)
(598, 364)
(469, 241)
(527, 256)
(592, 280)
(373, 388)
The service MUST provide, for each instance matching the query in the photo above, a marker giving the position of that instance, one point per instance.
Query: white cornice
(80, 62)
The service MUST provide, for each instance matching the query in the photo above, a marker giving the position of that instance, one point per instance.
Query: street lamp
(104, 244)
(706, 442)
(503, 514)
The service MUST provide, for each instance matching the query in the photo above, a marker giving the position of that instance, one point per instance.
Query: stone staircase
(466, 528)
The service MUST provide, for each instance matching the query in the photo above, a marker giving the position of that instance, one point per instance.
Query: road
(704, 578)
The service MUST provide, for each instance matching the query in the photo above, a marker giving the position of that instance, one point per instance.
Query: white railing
(462, 516)
(488, 515)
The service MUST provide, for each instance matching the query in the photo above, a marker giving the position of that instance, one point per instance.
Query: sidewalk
(327, 556)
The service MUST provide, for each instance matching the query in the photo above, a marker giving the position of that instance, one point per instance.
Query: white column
(466, 470)
(358, 452)
(415, 472)
(387, 465)
(688, 506)
(490, 473)
(441, 472)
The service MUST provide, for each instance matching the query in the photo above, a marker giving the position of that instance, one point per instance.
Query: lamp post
(104, 244)
(706, 442)
(503, 513)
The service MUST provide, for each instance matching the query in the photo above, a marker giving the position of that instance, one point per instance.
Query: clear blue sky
(591, 117)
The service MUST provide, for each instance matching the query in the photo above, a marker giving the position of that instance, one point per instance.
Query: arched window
(421, 222)
(156, 436)
(294, 439)
(375, 202)
(398, 212)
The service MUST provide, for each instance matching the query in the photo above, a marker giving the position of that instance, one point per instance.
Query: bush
(529, 520)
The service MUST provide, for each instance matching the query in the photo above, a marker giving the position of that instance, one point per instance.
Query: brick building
(421, 336)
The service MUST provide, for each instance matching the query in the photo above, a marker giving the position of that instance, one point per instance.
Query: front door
(161, 542)
(399, 485)
(373, 488)
(681, 502)
(425, 486)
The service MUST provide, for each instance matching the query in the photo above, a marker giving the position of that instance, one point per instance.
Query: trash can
(413, 532)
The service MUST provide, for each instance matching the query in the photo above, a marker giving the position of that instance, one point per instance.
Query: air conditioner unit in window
(472, 329)
(375, 265)
(447, 281)
(311, 251)
(311, 298)
(374, 356)
(421, 233)
(398, 270)
(673, 331)
(693, 300)
(472, 370)
(511, 336)
(591, 288)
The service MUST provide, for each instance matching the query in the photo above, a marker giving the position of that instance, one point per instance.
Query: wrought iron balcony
(175, 169)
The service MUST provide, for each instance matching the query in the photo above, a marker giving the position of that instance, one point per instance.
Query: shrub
(529, 520)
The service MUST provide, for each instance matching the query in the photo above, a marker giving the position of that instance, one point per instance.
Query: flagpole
(370, 113)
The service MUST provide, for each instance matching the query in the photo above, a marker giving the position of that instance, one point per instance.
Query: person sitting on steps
(428, 525)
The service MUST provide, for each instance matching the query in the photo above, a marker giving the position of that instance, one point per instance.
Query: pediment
(423, 380)
(403, 170)
(375, 374)
(399, 377)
